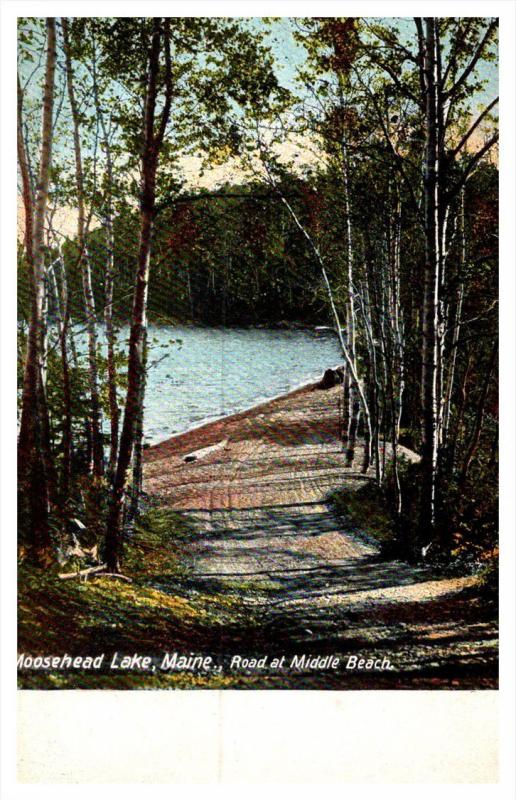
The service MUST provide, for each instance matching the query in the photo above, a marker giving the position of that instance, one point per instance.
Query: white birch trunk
(89, 301)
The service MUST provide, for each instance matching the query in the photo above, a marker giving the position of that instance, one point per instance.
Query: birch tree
(154, 131)
(206, 91)
(85, 268)
(34, 479)
(437, 85)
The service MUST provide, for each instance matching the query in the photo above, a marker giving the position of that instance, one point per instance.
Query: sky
(289, 56)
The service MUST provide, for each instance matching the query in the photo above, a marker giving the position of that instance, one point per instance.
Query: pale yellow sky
(297, 150)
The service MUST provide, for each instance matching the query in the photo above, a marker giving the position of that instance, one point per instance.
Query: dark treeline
(215, 260)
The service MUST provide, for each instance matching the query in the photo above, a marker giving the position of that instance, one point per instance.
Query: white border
(271, 711)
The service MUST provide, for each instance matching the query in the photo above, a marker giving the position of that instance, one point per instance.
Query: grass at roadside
(158, 611)
(369, 509)
(366, 509)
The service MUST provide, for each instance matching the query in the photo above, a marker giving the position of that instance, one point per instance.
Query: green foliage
(155, 547)
(467, 523)
(367, 509)
(488, 580)
(372, 508)
(232, 257)
(468, 515)
(152, 614)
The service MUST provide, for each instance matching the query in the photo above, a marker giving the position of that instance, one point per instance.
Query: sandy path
(263, 529)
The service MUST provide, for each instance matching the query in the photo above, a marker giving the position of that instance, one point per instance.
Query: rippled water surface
(211, 372)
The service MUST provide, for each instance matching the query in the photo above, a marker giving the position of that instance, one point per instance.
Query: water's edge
(262, 403)
(198, 375)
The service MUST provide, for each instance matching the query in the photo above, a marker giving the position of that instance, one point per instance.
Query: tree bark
(354, 402)
(431, 289)
(89, 300)
(63, 320)
(32, 468)
(137, 478)
(114, 412)
(150, 156)
(456, 331)
(28, 201)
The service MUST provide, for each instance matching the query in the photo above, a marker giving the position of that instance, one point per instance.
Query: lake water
(212, 372)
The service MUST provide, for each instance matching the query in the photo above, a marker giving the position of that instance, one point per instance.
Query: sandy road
(263, 529)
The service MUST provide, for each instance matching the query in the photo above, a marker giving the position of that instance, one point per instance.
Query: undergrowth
(466, 534)
(158, 611)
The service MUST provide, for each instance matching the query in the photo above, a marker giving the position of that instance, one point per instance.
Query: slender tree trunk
(190, 294)
(63, 319)
(67, 405)
(353, 427)
(345, 404)
(32, 468)
(89, 300)
(382, 314)
(114, 412)
(150, 157)
(374, 381)
(137, 478)
(42, 398)
(431, 291)
(354, 401)
(28, 200)
(398, 366)
(456, 329)
(355, 380)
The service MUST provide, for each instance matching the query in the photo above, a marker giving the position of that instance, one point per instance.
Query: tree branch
(421, 48)
(470, 166)
(473, 128)
(168, 86)
(471, 66)
(452, 57)
(403, 89)
(398, 159)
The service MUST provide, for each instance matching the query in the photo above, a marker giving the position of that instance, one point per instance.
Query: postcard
(258, 378)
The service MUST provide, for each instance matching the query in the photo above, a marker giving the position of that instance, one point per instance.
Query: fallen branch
(113, 575)
(97, 572)
(204, 451)
(83, 572)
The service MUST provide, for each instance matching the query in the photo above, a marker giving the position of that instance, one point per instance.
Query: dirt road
(254, 488)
